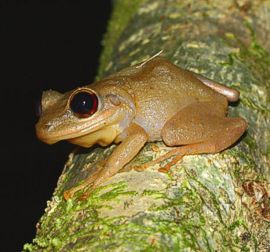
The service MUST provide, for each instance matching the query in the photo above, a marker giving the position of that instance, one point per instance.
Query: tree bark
(207, 202)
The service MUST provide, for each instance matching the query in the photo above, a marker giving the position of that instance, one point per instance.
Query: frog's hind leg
(198, 128)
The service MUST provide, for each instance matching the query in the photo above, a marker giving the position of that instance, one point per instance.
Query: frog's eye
(84, 104)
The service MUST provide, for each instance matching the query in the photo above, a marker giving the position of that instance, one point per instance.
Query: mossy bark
(207, 202)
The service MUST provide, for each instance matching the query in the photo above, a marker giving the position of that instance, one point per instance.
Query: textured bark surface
(207, 202)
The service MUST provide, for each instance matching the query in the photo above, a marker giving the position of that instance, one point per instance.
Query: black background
(51, 45)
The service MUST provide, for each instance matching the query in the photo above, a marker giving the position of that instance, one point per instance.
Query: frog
(152, 101)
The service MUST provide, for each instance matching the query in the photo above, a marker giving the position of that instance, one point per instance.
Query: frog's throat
(103, 137)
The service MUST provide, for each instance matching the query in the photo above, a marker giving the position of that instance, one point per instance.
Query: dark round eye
(84, 104)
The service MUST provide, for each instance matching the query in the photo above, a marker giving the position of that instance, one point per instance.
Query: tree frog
(152, 101)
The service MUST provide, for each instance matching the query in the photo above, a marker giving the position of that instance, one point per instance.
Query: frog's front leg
(134, 139)
(199, 128)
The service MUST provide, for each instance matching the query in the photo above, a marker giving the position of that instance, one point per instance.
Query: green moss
(63, 216)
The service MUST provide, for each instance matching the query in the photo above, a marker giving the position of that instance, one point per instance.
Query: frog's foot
(155, 148)
(84, 185)
(172, 153)
(168, 166)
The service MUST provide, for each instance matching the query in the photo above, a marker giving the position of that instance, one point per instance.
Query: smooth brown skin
(153, 101)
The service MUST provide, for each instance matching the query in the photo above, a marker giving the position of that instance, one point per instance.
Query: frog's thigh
(199, 126)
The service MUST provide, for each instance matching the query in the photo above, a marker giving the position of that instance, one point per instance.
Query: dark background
(43, 46)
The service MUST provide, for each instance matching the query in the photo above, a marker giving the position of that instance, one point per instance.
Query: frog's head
(92, 114)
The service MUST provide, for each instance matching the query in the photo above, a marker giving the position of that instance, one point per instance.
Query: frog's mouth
(102, 129)
(44, 134)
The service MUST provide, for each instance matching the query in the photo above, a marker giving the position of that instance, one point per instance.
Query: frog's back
(160, 89)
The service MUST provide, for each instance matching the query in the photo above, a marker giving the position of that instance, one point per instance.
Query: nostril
(48, 127)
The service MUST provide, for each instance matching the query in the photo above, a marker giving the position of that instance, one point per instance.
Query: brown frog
(153, 101)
